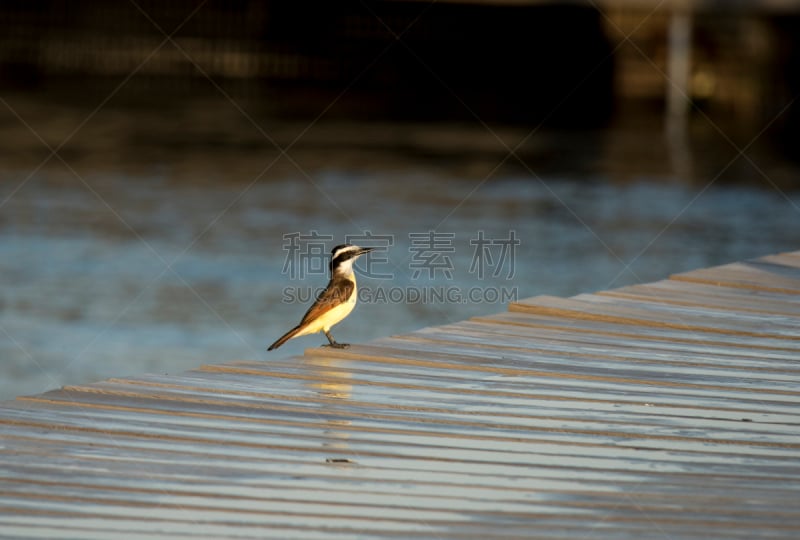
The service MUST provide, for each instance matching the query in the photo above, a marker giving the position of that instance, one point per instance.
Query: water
(133, 256)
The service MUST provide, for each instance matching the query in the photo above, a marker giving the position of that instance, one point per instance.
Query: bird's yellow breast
(324, 322)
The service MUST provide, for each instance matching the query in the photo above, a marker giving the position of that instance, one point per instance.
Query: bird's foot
(336, 345)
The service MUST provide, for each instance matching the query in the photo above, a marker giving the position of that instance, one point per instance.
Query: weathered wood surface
(667, 410)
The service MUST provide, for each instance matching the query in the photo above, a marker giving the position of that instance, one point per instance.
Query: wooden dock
(668, 410)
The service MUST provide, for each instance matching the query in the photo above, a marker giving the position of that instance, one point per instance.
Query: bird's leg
(332, 342)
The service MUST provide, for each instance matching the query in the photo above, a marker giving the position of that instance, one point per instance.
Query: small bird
(334, 303)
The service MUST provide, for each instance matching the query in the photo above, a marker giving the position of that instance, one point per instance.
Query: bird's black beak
(365, 250)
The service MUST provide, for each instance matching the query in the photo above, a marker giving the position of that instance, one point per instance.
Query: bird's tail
(285, 337)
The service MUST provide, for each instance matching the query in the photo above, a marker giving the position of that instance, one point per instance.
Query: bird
(334, 303)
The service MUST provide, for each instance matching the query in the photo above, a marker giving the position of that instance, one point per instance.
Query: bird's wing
(337, 292)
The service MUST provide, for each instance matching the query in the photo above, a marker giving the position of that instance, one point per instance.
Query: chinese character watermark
(306, 254)
(369, 264)
(484, 255)
(429, 251)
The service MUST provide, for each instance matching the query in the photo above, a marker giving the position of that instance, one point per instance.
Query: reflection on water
(331, 384)
(148, 251)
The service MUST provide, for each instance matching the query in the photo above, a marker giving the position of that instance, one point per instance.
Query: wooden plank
(641, 349)
(182, 454)
(565, 322)
(790, 259)
(662, 410)
(687, 293)
(71, 495)
(644, 316)
(782, 323)
(369, 391)
(407, 350)
(609, 353)
(754, 275)
(453, 425)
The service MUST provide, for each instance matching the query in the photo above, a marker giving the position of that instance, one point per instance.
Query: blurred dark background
(377, 60)
(154, 156)
(560, 65)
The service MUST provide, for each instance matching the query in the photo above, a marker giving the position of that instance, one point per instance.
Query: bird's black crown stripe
(340, 258)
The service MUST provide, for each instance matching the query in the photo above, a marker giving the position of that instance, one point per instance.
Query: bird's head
(343, 256)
